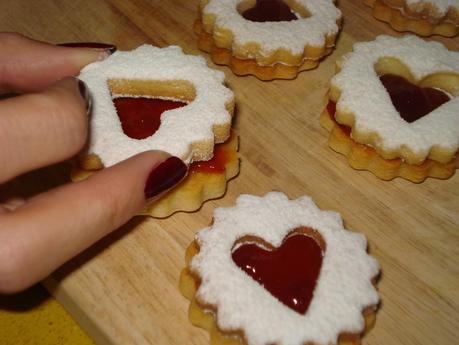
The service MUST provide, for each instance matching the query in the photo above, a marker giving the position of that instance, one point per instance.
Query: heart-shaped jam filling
(411, 101)
(269, 11)
(289, 272)
(141, 116)
(140, 103)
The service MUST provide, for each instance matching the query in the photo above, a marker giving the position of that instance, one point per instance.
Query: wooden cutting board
(124, 290)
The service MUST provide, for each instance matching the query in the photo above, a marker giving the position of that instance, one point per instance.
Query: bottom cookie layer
(401, 22)
(241, 67)
(204, 318)
(363, 157)
(205, 181)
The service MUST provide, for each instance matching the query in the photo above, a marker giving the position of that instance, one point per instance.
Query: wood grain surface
(124, 289)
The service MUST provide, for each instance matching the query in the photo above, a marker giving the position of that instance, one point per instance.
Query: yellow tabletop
(34, 317)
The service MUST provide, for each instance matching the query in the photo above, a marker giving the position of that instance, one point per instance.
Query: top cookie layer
(364, 103)
(182, 130)
(293, 36)
(343, 288)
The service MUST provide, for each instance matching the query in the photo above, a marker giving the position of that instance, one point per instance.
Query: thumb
(51, 228)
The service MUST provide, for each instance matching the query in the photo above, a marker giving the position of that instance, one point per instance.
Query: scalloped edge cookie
(422, 19)
(199, 317)
(364, 105)
(277, 216)
(223, 36)
(189, 132)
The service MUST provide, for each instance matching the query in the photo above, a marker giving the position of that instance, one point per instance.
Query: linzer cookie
(267, 38)
(423, 17)
(393, 108)
(162, 99)
(276, 271)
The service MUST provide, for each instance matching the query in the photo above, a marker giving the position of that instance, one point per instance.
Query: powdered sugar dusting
(442, 6)
(271, 36)
(179, 127)
(363, 94)
(343, 288)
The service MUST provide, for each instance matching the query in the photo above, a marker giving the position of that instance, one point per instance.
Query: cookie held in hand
(161, 99)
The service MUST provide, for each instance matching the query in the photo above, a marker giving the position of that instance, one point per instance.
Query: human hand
(46, 124)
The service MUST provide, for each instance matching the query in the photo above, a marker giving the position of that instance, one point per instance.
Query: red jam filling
(140, 116)
(331, 108)
(411, 101)
(269, 11)
(289, 272)
(222, 155)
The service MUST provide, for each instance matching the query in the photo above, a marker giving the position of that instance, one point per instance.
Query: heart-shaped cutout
(289, 272)
(140, 103)
(268, 11)
(140, 117)
(412, 101)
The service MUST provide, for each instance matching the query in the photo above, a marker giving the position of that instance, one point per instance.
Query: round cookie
(193, 110)
(384, 138)
(240, 301)
(267, 49)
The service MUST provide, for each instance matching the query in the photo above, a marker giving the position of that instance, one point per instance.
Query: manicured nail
(109, 48)
(165, 176)
(84, 94)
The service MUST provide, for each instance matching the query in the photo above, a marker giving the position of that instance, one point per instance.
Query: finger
(51, 228)
(42, 128)
(28, 65)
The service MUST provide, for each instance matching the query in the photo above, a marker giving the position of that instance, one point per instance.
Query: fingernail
(84, 94)
(165, 176)
(109, 48)
(105, 50)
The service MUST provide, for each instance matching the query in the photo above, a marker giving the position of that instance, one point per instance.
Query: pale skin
(46, 124)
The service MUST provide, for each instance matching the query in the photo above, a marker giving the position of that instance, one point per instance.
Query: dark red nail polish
(165, 176)
(110, 48)
(84, 93)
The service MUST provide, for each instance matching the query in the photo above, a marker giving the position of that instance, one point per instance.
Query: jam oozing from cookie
(289, 272)
(411, 101)
(222, 155)
(331, 108)
(140, 116)
(269, 11)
